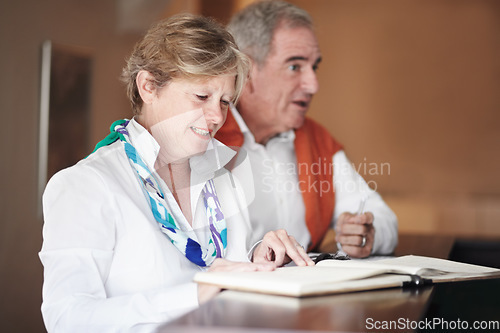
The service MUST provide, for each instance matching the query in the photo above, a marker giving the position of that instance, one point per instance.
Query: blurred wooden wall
(415, 84)
(412, 89)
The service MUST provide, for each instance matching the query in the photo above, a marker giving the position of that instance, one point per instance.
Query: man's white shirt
(277, 200)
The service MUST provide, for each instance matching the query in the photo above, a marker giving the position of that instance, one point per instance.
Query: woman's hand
(280, 248)
(206, 291)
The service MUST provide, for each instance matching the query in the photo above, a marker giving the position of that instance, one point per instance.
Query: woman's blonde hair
(184, 46)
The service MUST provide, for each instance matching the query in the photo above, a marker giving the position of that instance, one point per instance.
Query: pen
(361, 209)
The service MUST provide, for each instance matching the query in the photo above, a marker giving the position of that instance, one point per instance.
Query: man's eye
(202, 97)
(294, 67)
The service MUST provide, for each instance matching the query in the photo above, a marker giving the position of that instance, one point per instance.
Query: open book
(340, 276)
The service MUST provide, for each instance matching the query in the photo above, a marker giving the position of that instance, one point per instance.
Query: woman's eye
(225, 104)
(202, 97)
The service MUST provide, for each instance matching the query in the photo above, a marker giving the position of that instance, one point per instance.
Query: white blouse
(107, 265)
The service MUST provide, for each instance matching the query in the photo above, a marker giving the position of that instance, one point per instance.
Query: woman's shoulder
(104, 162)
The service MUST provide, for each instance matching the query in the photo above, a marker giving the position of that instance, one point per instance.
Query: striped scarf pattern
(200, 255)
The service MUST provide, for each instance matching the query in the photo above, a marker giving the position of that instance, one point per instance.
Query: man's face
(282, 88)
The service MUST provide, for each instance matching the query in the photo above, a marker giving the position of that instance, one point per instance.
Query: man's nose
(310, 81)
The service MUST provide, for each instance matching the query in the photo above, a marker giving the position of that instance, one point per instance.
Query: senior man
(304, 182)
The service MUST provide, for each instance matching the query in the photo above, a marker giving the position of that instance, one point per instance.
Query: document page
(339, 276)
(441, 270)
(301, 281)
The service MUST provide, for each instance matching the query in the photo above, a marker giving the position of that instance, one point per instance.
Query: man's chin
(299, 122)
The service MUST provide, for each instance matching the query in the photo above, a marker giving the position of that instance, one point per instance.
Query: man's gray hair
(253, 27)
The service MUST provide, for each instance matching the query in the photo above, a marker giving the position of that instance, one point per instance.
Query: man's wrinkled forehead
(295, 43)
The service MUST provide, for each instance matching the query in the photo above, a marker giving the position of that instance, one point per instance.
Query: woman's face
(186, 113)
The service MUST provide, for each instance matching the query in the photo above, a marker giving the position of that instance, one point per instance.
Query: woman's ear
(145, 86)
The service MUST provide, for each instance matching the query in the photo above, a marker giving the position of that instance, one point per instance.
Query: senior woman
(128, 227)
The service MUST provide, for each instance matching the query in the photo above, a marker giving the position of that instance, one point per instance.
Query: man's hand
(280, 248)
(356, 234)
(206, 291)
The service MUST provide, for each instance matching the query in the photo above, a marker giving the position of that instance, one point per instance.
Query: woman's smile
(204, 133)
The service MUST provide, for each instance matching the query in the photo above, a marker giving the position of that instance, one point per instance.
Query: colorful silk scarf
(191, 248)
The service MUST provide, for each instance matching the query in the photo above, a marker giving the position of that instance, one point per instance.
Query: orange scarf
(314, 147)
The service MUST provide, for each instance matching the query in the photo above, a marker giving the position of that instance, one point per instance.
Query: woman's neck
(177, 176)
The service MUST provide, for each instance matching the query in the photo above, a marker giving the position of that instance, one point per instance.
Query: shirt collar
(205, 165)
(285, 136)
(241, 123)
(144, 142)
(288, 136)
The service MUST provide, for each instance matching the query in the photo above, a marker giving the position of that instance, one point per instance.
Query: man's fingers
(353, 240)
(348, 218)
(357, 246)
(355, 229)
(356, 251)
(366, 218)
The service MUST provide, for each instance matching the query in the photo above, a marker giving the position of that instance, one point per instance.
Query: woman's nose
(214, 114)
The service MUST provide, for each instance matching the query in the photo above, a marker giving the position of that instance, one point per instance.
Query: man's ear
(253, 72)
(145, 86)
